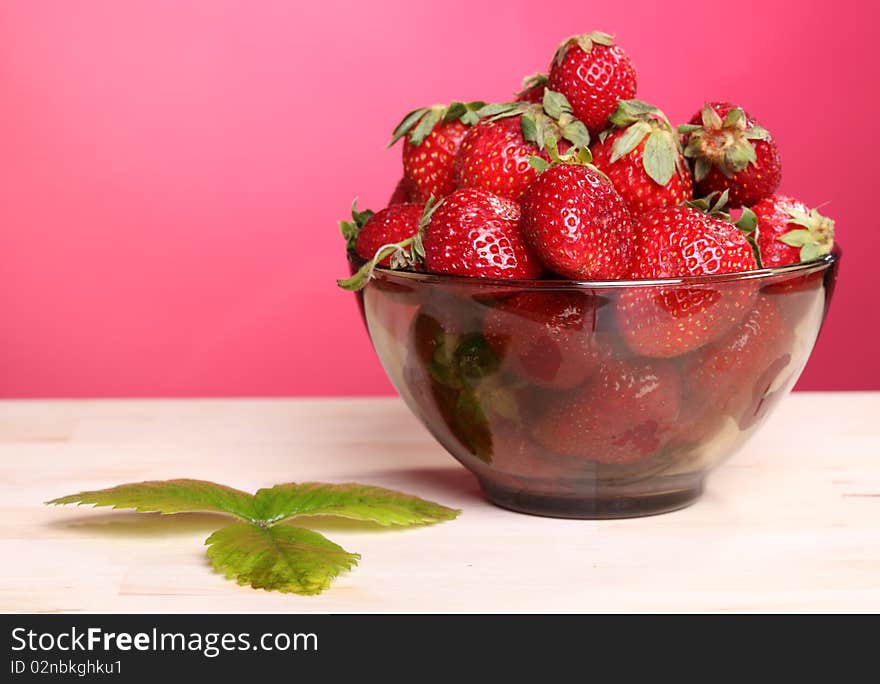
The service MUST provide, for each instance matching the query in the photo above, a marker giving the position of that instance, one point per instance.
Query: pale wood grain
(791, 523)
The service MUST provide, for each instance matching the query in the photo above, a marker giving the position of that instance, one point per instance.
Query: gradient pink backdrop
(171, 171)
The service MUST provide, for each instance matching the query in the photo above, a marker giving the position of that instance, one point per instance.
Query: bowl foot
(603, 503)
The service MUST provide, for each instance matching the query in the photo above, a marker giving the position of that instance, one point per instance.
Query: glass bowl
(596, 399)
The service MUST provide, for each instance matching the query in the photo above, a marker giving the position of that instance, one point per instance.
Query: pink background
(171, 171)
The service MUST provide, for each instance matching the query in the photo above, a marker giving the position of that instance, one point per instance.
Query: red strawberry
(433, 136)
(643, 158)
(533, 88)
(594, 74)
(671, 242)
(405, 192)
(547, 338)
(391, 225)
(735, 375)
(626, 414)
(475, 233)
(495, 153)
(731, 152)
(578, 224)
(789, 232)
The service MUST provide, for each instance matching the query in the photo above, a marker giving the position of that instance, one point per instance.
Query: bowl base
(608, 502)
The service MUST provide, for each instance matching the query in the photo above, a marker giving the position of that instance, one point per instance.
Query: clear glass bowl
(596, 399)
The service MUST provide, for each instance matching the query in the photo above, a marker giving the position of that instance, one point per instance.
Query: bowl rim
(803, 267)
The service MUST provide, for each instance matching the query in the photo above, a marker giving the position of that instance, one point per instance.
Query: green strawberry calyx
(408, 253)
(714, 204)
(662, 156)
(419, 123)
(815, 237)
(726, 144)
(584, 41)
(351, 229)
(530, 82)
(545, 123)
(580, 156)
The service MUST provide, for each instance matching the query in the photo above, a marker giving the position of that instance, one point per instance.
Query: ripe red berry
(730, 151)
(391, 225)
(495, 153)
(673, 242)
(475, 233)
(578, 224)
(494, 156)
(405, 192)
(546, 338)
(594, 74)
(790, 232)
(643, 158)
(627, 413)
(432, 136)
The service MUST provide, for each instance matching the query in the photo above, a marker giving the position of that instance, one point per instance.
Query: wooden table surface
(791, 523)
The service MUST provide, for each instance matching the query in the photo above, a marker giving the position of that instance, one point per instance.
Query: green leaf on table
(259, 550)
(278, 558)
(169, 496)
(350, 500)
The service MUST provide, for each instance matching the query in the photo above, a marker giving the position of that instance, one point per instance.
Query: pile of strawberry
(579, 180)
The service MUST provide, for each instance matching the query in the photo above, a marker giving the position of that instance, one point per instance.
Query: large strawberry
(578, 224)
(731, 152)
(672, 242)
(643, 158)
(432, 138)
(475, 233)
(393, 224)
(790, 232)
(495, 153)
(546, 338)
(627, 413)
(594, 74)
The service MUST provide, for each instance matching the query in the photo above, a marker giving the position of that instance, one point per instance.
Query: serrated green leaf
(168, 496)
(658, 157)
(406, 124)
(684, 129)
(629, 140)
(278, 558)
(796, 238)
(349, 500)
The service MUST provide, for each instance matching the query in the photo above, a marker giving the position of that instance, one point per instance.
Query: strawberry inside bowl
(596, 399)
